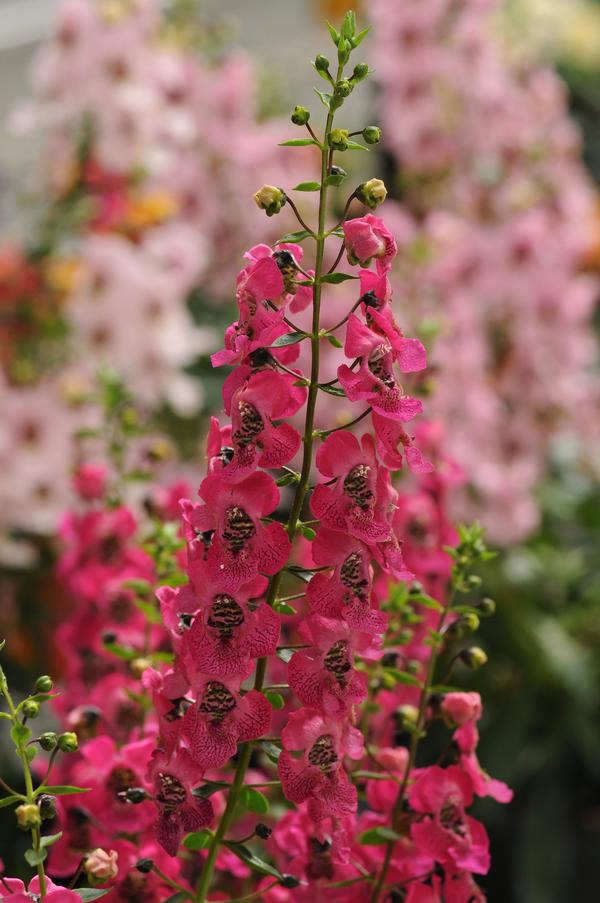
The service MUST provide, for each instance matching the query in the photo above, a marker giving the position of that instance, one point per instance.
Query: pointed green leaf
(49, 839)
(403, 677)
(333, 390)
(290, 338)
(198, 840)
(335, 179)
(284, 608)
(35, 857)
(20, 734)
(323, 97)
(307, 186)
(209, 787)
(359, 38)
(276, 699)
(11, 800)
(335, 35)
(333, 340)
(271, 751)
(252, 861)
(91, 893)
(254, 801)
(61, 790)
(336, 278)
(294, 236)
(377, 836)
(299, 142)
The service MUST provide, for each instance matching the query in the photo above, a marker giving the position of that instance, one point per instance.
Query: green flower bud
(473, 658)
(30, 708)
(47, 806)
(28, 816)
(144, 866)
(270, 199)
(68, 742)
(372, 134)
(289, 881)
(372, 193)
(300, 116)
(321, 63)
(344, 87)
(43, 684)
(463, 626)
(48, 740)
(408, 716)
(487, 607)
(473, 581)
(338, 139)
(263, 831)
(344, 49)
(359, 73)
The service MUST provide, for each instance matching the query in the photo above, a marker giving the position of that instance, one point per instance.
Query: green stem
(299, 496)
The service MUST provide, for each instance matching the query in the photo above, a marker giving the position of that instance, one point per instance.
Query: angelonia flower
(496, 220)
(280, 636)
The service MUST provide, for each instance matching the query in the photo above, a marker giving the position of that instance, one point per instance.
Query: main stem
(292, 524)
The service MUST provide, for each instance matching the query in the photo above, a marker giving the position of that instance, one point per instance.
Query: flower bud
(372, 193)
(289, 881)
(343, 50)
(48, 740)
(139, 665)
(68, 742)
(300, 116)
(101, 866)
(487, 607)
(144, 866)
(43, 684)
(465, 625)
(344, 88)
(371, 134)
(28, 816)
(473, 581)
(263, 831)
(408, 717)
(321, 63)
(47, 806)
(30, 708)
(270, 199)
(338, 139)
(473, 658)
(360, 72)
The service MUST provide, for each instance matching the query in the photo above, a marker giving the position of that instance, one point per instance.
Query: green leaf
(284, 608)
(290, 338)
(6, 716)
(403, 677)
(143, 587)
(49, 839)
(209, 787)
(127, 655)
(333, 340)
(377, 836)
(61, 790)
(336, 278)
(40, 697)
(294, 236)
(335, 35)
(333, 390)
(254, 801)
(359, 38)
(323, 97)
(20, 734)
(285, 654)
(35, 857)
(299, 142)
(307, 186)
(176, 579)
(335, 179)
(10, 800)
(354, 145)
(198, 840)
(276, 699)
(91, 893)
(425, 601)
(149, 610)
(308, 532)
(252, 861)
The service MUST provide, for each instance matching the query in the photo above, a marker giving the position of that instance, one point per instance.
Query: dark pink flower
(20, 894)
(356, 503)
(460, 888)
(229, 630)
(375, 381)
(324, 675)
(367, 237)
(344, 592)
(228, 529)
(394, 445)
(221, 718)
(446, 832)
(318, 775)
(89, 481)
(179, 811)
(466, 738)
(460, 707)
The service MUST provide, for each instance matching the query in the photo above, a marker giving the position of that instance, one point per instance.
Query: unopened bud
(300, 116)
(48, 740)
(465, 625)
(144, 866)
(473, 658)
(43, 684)
(344, 87)
(30, 708)
(360, 72)
(101, 866)
(487, 607)
(28, 816)
(289, 881)
(321, 63)
(263, 831)
(47, 806)
(68, 742)
(408, 717)
(139, 665)
(270, 199)
(372, 193)
(344, 49)
(338, 139)
(372, 134)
